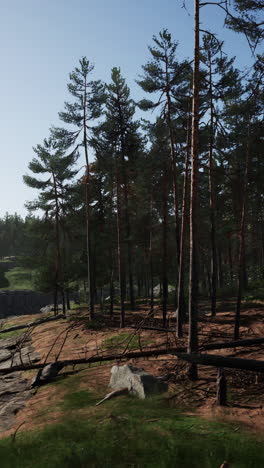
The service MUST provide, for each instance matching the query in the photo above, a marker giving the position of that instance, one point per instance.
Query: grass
(19, 278)
(11, 334)
(123, 340)
(130, 432)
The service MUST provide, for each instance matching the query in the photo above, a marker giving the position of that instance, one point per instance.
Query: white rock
(138, 382)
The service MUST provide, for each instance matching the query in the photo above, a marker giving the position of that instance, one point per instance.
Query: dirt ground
(65, 339)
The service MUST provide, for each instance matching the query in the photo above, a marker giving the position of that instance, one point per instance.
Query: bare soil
(63, 340)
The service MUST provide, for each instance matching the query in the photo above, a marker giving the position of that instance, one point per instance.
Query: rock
(46, 374)
(50, 308)
(13, 394)
(156, 290)
(138, 382)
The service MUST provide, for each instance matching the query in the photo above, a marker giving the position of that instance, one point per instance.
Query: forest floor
(77, 389)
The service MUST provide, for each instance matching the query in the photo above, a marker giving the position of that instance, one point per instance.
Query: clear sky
(42, 41)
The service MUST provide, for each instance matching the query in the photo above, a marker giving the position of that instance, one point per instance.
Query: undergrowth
(130, 432)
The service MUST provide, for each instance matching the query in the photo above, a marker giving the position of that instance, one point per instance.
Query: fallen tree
(92, 359)
(233, 344)
(33, 324)
(222, 361)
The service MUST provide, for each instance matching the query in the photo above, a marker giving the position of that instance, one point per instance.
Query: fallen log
(204, 359)
(234, 344)
(32, 324)
(103, 358)
(222, 361)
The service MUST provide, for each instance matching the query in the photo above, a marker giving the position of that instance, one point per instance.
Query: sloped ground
(76, 391)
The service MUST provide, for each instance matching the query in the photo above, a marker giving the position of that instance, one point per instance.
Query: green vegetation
(11, 334)
(123, 340)
(130, 432)
(19, 278)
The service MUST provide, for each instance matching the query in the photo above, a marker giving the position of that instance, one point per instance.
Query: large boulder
(48, 373)
(138, 382)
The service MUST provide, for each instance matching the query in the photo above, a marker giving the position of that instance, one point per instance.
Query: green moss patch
(130, 432)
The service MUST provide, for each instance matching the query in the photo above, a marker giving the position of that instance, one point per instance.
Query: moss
(130, 432)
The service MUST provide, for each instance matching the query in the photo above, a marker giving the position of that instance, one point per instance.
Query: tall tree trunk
(193, 279)
(164, 259)
(173, 166)
(87, 204)
(151, 258)
(230, 260)
(220, 268)
(58, 269)
(241, 259)
(68, 299)
(121, 269)
(181, 303)
(212, 196)
(126, 211)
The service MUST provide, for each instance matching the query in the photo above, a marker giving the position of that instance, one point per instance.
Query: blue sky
(42, 41)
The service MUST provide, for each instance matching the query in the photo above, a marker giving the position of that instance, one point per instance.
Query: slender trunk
(173, 167)
(126, 211)
(121, 270)
(55, 300)
(112, 292)
(220, 268)
(230, 262)
(164, 259)
(181, 303)
(193, 279)
(68, 299)
(151, 257)
(241, 258)
(63, 302)
(58, 270)
(212, 197)
(87, 203)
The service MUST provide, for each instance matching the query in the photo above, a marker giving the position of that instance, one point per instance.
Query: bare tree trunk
(193, 279)
(230, 262)
(241, 259)
(126, 212)
(164, 259)
(87, 203)
(212, 197)
(58, 270)
(121, 270)
(181, 310)
(173, 167)
(112, 290)
(151, 258)
(68, 299)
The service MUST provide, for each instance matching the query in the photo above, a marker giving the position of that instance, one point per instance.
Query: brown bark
(121, 269)
(193, 278)
(165, 248)
(181, 304)
(173, 159)
(151, 258)
(87, 204)
(241, 259)
(223, 361)
(126, 210)
(212, 197)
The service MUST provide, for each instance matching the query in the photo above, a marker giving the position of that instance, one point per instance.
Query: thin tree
(51, 160)
(89, 98)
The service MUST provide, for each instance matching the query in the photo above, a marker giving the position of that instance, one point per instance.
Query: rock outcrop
(137, 381)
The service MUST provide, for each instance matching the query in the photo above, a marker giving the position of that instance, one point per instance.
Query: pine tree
(169, 79)
(87, 107)
(51, 160)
